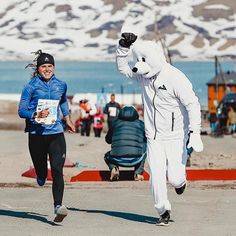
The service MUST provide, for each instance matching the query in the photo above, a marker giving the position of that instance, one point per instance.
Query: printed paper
(51, 105)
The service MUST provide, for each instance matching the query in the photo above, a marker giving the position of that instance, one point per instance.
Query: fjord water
(93, 77)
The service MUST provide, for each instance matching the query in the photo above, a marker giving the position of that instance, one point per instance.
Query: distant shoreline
(10, 97)
(174, 60)
(125, 98)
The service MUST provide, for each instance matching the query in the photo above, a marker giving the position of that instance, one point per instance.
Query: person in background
(112, 110)
(232, 120)
(128, 144)
(87, 111)
(223, 119)
(213, 122)
(98, 120)
(41, 101)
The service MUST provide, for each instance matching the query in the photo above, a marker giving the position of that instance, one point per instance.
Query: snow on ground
(217, 6)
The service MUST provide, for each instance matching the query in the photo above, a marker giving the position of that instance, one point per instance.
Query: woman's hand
(71, 127)
(43, 114)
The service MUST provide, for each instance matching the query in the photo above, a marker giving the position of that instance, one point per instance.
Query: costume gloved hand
(127, 39)
(195, 141)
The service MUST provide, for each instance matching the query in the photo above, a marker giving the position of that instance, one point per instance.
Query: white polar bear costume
(171, 110)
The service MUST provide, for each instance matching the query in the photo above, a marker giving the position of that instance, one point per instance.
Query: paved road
(104, 208)
(122, 208)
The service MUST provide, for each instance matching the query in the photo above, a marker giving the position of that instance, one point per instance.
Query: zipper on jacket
(153, 102)
(173, 121)
(49, 88)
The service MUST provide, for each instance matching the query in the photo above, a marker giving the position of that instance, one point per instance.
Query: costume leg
(57, 153)
(156, 157)
(38, 152)
(177, 158)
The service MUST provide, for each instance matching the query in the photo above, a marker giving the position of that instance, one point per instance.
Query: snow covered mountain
(90, 29)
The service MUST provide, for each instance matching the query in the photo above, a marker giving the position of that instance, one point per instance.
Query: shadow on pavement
(123, 215)
(26, 215)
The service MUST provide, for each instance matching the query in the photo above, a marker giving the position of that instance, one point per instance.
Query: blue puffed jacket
(127, 138)
(36, 89)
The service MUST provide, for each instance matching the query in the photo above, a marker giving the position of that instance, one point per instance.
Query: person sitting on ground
(128, 144)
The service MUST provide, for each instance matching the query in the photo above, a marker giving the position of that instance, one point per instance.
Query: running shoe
(180, 190)
(164, 219)
(115, 174)
(41, 182)
(60, 213)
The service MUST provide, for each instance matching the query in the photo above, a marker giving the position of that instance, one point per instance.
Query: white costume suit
(171, 109)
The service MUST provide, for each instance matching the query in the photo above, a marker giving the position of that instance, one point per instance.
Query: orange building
(219, 86)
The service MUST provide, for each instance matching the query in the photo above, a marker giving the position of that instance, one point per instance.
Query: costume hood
(150, 58)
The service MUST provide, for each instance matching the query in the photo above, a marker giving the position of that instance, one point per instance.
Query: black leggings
(97, 132)
(54, 145)
(85, 127)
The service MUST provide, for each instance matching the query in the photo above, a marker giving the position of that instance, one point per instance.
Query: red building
(219, 86)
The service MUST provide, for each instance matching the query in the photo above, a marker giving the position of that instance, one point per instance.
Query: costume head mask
(150, 58)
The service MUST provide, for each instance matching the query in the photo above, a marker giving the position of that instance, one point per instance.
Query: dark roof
(229, 77)
(230, 97)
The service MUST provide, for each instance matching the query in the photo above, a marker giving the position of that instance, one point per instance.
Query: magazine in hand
(51, 105)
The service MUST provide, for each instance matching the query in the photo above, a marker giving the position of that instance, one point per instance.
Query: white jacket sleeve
(184, 92)
(122, 62)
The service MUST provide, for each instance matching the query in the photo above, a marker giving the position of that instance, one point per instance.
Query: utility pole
(222, 76)
(217, 80)
(221, 73)
(162, 41)
(122, 93)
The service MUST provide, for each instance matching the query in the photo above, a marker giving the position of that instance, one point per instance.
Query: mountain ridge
(89, 30)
